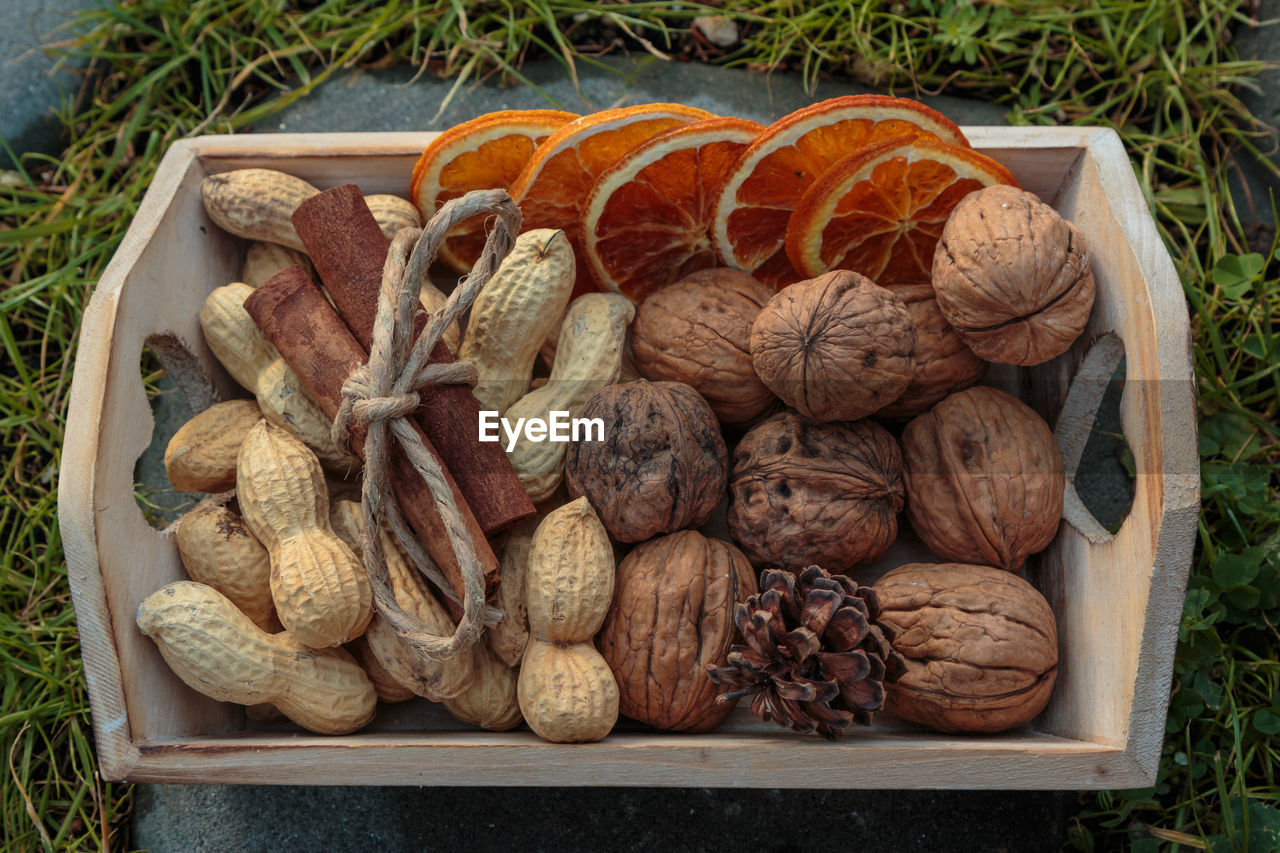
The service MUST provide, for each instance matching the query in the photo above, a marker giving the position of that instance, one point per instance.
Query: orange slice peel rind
(647, 220)
(880, 212)
(772, 174)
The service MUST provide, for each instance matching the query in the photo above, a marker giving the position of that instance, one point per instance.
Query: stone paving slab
(386, 100)
(337, 820)
(1252, 185)
(30, 94)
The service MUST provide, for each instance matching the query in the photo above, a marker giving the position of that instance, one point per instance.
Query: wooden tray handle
(1075, 423)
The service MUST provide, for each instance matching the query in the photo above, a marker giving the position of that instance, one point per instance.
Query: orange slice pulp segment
(880, 212)
(765, 186)
(647, 221)
(555, 183)
(487, 152)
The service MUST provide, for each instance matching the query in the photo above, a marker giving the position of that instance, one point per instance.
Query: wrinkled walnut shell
(984, 479)
(698, 331)
(1013, 276)
(835, 348)
(662, 464)
(943, 363)
(671, 618)
(805, 493)
(980, 644)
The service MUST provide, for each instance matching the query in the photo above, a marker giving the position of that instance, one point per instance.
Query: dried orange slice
(753, 209)
(485, 153)
(561, 172)
(881, 211)
(647, 221)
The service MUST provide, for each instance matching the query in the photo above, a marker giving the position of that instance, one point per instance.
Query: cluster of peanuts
(279, 613)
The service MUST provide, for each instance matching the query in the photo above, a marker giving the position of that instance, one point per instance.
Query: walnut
(806, 493)
(943, 363)
(662, 464)
(984, 479)
(698, 331)
(980, 644)
(836, 348)
(1013, 276)
(673, 616)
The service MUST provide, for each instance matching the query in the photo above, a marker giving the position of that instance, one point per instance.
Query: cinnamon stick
(348, 250)
(293, 313)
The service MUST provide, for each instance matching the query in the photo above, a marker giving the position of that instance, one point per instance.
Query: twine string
(381, 396)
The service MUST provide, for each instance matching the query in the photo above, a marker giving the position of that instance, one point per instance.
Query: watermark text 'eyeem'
(557, 426)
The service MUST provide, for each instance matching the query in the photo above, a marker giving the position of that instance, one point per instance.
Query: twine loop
(381, 396)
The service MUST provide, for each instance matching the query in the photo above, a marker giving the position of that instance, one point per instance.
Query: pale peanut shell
(321, 591)
(264, 260)
(201, 456)
(218, 549)
(217, 651)
(509, 637)
(592, 339)
(567, 693)
(257, 204)
(433, 679)
(569, 581)
(490, 701)
(393, 213)
(510, 319)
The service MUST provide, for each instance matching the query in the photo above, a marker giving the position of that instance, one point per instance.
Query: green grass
(1162, 73)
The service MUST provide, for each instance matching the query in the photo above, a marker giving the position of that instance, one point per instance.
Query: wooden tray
(1118, 601)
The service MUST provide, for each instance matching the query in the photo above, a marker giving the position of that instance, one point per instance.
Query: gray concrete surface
(338, 820)
(161, 505)
(31, 91)
(1252, 185)
(385, 100)
(1103, 480)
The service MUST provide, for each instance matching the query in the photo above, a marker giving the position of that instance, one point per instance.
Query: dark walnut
(943, 363)
(980, 644)
(835, 348)
(805, 493)
(698, 331)
(984, 479)
(1013, 276)
(662, 464)
(672, 617)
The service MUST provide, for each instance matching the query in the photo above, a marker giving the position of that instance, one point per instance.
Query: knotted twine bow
(383, 393)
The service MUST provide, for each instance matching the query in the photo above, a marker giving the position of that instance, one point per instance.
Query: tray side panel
(1161, 425)
(719, 760)
(184, 257)
(1102, 593)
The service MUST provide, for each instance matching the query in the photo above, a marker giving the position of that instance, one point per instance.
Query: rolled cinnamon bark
(293, 313)
(348, 249)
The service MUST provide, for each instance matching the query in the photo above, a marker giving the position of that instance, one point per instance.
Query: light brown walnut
(984, 479)
(943, 363)
(835, 348)
(672, 617)
(1013, 276)
(805, 493)
(980, 644)
(698, 331)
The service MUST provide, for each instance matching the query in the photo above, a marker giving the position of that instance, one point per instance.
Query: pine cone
(815, 658)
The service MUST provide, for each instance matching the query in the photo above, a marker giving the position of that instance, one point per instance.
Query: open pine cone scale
(813, 657)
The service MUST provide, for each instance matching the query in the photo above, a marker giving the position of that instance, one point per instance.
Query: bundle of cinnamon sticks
(324, 342)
